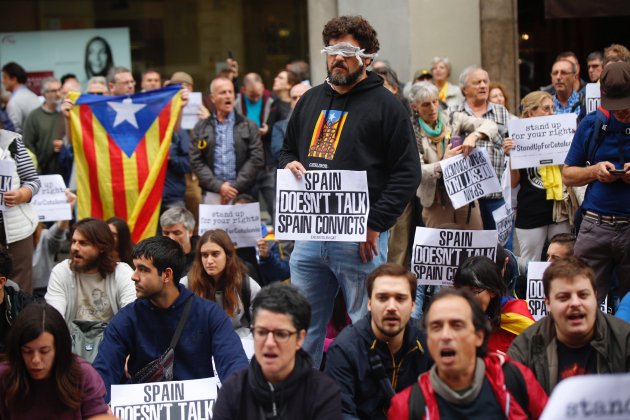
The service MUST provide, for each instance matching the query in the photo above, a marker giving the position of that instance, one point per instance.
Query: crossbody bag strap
(182, 322)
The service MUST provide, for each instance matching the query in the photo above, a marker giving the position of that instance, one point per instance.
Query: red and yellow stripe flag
(121, 147)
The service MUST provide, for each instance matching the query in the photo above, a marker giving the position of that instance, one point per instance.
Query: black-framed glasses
(279, 335)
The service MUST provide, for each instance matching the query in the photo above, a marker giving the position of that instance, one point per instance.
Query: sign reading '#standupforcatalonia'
(322, 206)
(541, 141)
(240, 221)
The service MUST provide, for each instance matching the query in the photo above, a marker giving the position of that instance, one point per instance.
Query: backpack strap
(515, 384)
(417, 403)
(597, 136)
(182, 322)
(246, 297)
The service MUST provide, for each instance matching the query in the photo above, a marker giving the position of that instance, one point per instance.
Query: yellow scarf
(552, 181)
(442, 92)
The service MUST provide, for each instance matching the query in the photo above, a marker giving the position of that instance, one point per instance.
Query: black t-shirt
(576, 361)
(485, 406)
(534, 210)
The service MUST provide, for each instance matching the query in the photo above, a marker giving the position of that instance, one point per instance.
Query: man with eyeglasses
(280, 382)
(121, 82)
(566, 99)
(44, 129)
(349, 122)
(383, 353)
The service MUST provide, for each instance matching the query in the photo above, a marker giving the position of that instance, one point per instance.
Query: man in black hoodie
(349, 122)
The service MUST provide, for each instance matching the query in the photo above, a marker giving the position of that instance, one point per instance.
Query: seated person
(219, 275)
(384, 352)
(560, 246)
(143, 329)
(90, 285)
(576, 338)
(466, 381)
(42, 379)
(179, 224)
(12, 300)
(280, 382)
(508, 316)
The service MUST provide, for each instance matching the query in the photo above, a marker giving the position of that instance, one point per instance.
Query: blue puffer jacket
(347, 362)
(144, 332)
(178, 166)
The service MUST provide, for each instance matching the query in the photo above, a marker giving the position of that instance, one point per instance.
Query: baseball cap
(615, 86)
(180, 77)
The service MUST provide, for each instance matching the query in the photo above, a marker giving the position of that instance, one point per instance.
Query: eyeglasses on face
(279, 335)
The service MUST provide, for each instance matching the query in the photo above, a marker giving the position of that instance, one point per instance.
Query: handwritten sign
(504, 220)
(175, 400)
(51, 202)
(541, 141)
(437, 253)
(535, 294)
(592, 97)
(322, 206)
(586, 397)
(469, 178)
(190, 113)
(7, 169)
(240, 221)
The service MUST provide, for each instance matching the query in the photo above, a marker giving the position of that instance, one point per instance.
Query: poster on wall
(83, 52)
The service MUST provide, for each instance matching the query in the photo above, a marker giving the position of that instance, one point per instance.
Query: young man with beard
(91, 285)
(384, 352)
(466, 381)
(350, 122)
(143, 330)
(576, 338)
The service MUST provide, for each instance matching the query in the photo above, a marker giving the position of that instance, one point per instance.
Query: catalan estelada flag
(121, 147)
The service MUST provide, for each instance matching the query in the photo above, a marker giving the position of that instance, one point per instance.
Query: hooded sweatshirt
(365, 129)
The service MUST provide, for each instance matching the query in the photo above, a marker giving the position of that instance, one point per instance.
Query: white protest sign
(190, 113)
(322, 206)
(541, 141)
(468, 178)
(437, 253)
(7, 169)
(504, 219)
(586, 397)
(51, 202)
(192, 399)
(592, 97)
(535, 294)
(240, 221)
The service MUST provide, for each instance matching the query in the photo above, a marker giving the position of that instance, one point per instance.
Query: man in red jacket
(466, 382)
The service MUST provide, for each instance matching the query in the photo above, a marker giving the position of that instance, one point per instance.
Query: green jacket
(536, 348)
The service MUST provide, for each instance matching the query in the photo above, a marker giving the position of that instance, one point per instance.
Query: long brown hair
(97, 232)
(230, 282)
(32, 322)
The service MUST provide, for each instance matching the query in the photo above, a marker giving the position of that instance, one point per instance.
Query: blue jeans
(486, 207)
(318, 270)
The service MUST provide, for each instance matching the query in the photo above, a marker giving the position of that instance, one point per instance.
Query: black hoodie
(371, 131)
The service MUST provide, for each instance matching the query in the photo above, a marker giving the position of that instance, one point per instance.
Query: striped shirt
(25, 167)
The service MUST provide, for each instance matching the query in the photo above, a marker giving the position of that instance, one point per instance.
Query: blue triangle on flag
(127, 118)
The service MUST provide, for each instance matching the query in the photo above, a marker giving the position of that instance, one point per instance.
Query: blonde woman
(545, 206)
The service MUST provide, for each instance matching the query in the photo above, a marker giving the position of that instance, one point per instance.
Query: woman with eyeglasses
(545, 206)
(280, 382)
(41, 378)
(219, 275)
(508, 316)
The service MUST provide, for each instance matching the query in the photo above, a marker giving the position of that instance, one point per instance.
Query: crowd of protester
(340, 329)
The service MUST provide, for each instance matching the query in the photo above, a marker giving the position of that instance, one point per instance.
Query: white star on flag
(126, 111)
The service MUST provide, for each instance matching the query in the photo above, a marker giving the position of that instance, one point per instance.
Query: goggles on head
(346, 49)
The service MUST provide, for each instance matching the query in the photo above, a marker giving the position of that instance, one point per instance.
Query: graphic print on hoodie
(327, 133)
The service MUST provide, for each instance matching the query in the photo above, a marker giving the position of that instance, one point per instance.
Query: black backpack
(514, 382)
